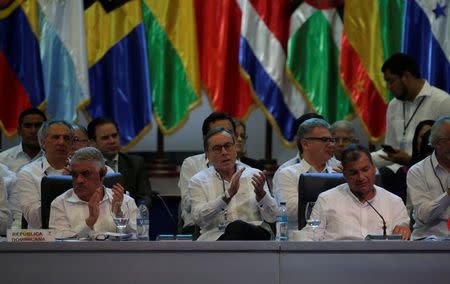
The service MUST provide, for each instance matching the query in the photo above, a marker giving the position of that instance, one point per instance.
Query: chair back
(310, 185)
(54, 186)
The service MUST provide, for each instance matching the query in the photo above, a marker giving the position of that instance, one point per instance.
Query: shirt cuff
(265, 201)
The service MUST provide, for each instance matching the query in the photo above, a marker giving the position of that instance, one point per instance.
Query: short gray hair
(342, 125)
(88, 154)
(306, 127)
(43, 131)
(213, 132)
(436, 129)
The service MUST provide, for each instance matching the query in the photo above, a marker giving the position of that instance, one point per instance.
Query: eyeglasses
(84, 174)
(322, 139)
(218, 148)
(343, 139)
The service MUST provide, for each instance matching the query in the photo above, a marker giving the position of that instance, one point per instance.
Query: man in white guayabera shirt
(345, 212)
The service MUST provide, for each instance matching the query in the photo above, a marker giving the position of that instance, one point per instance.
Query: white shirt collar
(73, 198)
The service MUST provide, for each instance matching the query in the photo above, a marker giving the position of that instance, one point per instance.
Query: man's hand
(94, 207)
(402, 230)
(118, 192)
(399, 157)
(258, 181)
(235, 182)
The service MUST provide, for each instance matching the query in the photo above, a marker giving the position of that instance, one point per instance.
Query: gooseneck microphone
(360, 196)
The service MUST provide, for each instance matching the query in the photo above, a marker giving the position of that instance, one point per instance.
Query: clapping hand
(258, 181)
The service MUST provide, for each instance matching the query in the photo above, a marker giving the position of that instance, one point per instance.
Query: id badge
(403, 144)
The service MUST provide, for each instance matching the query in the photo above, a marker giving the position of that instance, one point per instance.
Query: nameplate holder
(383, 238)
(30, 235)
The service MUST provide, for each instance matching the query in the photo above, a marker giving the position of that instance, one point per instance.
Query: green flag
(313, 60)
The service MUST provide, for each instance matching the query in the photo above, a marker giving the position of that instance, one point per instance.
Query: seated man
(85, 210)
(344, 134)
(429, 185)
(344, 211)
(194, 164)
(55, 138)
(229, 195)
(317, 146)
(4, 211)
(104, 134)
(30, 120)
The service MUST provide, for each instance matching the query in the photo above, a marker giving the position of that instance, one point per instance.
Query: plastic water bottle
(142, 222)
(282, 223)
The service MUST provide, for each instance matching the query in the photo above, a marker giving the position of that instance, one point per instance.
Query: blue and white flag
(63, 56)
(427, 38)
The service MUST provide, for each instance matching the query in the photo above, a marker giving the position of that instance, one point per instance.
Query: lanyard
(405, 125)
(435, 174)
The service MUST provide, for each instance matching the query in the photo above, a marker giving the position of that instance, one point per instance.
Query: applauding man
(230, 201)
(85, 209)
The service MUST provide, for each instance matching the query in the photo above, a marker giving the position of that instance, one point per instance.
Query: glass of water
(120, 214)
(223, 221)
(312, 221)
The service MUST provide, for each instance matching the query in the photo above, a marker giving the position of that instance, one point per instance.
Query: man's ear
(102, 172)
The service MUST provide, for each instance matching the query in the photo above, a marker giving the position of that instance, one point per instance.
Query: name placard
(30, 235)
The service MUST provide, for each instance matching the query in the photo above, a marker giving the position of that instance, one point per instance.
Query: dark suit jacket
(252, 163)
(135, 178)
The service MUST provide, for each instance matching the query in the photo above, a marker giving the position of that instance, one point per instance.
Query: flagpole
(270, 165)
(160, 166)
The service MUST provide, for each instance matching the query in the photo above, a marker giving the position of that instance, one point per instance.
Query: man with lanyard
(229, 200)
(429, 185)
(317, 147)
(194, 164)
(414, 100)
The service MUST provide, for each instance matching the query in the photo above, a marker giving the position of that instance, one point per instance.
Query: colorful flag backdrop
(313, 58)
(361, 58)
(118, 66)
(173, 61)
(21, 84)
(427, 39)
(63, 56)
(262, 55)
(218, 30)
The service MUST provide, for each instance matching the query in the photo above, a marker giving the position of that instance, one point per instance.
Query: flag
(218, 30)
(262, 56)
(119, 82)
(173, 62)
(371, 34)
(21, 84)
(313, 58)
(426, 38)
(63, 56)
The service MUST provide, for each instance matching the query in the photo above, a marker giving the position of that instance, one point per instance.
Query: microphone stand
(360, 195)
(384, 221)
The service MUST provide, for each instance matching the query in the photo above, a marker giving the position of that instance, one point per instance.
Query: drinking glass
(312, 221)
(223, 222)
(120, 214)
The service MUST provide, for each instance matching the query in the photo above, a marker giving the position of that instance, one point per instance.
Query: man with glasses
(317, 146)
(344, 134)
(429, 185)
(229, 200)
(194, 164)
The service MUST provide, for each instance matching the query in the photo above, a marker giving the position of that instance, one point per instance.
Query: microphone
(360, 196)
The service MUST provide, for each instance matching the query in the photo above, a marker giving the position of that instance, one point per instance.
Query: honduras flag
(427, 38)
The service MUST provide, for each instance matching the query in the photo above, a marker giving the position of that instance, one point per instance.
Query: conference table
(225, 262)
